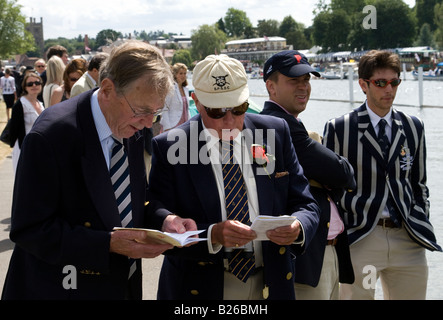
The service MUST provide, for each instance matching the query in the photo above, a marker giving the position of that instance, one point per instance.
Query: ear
(197, 105)
(363, 85)
(107, 87)
(270, 86)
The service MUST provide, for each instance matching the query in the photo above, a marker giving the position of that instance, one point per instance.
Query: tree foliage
(14, 38)
(438, 19)
(207, 40)
(107, 36)
(182, 56)
(236, 23)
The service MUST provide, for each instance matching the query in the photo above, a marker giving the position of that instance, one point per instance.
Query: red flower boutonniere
(260, 157)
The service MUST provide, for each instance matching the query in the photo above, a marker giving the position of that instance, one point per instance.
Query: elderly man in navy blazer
(69, 193)
(388, 212)
(191, 174)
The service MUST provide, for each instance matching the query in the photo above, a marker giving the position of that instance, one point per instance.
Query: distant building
(36, 28)
(256, 49)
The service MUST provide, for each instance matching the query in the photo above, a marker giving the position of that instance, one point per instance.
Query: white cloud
(70, 18)
(73, 17)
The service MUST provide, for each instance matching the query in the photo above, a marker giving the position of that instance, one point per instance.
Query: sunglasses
(218, 113)
(73, 79)
(30, 84)
(40, 66)
(384, 83)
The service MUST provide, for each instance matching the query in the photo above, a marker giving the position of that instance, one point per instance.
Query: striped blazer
(353, 136)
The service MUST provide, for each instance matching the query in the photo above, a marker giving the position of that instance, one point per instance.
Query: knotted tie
(119, 173)
(383, 141)
(240, 264)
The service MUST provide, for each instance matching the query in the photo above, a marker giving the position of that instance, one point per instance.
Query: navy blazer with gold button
(190, 190)
(333, 174)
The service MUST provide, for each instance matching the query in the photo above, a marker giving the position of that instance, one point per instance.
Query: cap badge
(298, 57)
(221, 83)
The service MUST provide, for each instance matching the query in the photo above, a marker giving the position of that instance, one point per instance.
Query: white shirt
(8, 85)
(375, 120)
(102, 127)
(240, 148)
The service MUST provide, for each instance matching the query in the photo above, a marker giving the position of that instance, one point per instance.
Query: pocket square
(281, 174)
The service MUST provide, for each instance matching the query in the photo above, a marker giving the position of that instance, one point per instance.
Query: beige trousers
(235, 289)
(391, 255)
(328, 286)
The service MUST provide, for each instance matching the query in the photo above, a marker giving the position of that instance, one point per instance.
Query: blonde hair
(176, 68)
(134, 60)
(54, 70)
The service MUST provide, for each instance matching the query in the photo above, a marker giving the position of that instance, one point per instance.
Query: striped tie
(240, 264)
(384, 143)
(119, 173)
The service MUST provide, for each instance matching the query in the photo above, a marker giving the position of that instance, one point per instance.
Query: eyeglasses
(218, 113)
(383, 83)
(144, 113)
(30, 84)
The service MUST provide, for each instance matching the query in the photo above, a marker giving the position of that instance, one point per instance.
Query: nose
(147, 121)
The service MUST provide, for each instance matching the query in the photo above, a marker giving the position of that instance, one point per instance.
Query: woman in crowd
(24, 113)
(54, 72)
(74, 70)
(176, 109)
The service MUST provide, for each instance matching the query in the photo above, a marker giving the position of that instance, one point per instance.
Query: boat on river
(436, 74)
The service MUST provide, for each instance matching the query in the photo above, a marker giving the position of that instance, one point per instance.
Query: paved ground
(151, 267)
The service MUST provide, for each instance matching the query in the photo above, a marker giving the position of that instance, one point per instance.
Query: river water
(320, 109)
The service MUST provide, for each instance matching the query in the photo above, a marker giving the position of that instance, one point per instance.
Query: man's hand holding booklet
(176, 239)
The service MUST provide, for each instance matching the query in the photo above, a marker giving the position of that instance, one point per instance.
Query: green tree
(294, 33)
(425, 12)
(438, 19)
(236, 23)
(287, 25)
(107, 36)
(182, 56)
(14, 38)
(425, 38)
(349, 6)
(331, 29)
(221, 25)
(268, 28)
(207, 40)
(395, 25)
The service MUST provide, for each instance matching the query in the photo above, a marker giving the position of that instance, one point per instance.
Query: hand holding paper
(287, 232)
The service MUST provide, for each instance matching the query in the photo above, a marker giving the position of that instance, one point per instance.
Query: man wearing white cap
(192, 174)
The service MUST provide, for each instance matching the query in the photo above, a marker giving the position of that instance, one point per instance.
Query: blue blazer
(64, 209)
(332, 174)
(190, 191)
(353, 137)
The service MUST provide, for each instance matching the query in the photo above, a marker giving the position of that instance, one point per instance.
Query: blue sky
(69, 18)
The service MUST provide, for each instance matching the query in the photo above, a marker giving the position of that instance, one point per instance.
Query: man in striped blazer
(387, 215)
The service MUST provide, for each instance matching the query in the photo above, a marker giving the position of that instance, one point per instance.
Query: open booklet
(176, 239)
(263, 223)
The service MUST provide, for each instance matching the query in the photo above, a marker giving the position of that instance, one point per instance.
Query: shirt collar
(92, 79)
(375, 118)
(103, 130)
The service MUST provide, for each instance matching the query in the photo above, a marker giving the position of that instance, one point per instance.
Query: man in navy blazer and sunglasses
(191, 175)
